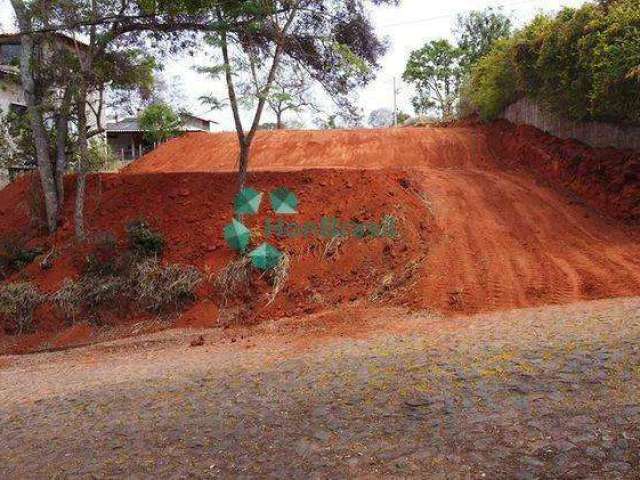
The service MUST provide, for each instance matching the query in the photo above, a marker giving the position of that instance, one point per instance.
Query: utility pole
(395, 103)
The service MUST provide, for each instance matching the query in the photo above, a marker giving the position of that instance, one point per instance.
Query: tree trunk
(246, 140)
(243, 163)
(62, 130)
(40, 136)
(83, 150)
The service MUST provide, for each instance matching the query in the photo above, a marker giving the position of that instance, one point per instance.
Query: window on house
(10, 54)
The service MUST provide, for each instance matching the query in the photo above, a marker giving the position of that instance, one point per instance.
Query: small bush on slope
(145, 241)
(14, 255)
(157, 287)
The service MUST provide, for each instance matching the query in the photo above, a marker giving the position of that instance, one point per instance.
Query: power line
(451, 15)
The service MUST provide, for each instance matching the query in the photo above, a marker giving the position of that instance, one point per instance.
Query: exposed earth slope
(482, 227)
(509, 238)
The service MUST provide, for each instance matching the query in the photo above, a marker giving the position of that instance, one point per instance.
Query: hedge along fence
(595, 134)
(583, 64)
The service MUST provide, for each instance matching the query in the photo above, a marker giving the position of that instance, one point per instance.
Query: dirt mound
(192, 209)
(290, 149)
(478, 230)
(607, 178)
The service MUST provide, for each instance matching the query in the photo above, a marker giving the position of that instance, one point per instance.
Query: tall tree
(435, 71)
(477, 31)
(35, 105)
(291, 92)
(102, 22)
(333, 41)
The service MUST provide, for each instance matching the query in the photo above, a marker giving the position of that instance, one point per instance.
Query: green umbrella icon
(237, 235)
(284, 201)
(247, 202)
(265, 257)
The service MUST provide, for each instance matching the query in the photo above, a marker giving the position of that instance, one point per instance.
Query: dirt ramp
(296, 149)
(508, 241)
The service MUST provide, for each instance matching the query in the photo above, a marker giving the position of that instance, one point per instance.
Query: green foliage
(143, 240)
(18, 301)
(436, 73)
(478, 31)
(403, 117)
(16, 144)
(159, 122)
(15, 255)
(494, 83)
(101, 157)
(583, 64)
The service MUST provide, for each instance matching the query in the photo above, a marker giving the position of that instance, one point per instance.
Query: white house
(11, 92)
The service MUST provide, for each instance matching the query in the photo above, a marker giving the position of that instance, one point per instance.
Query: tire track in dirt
(507, 239)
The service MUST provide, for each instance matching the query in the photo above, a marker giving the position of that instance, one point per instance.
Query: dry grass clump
(111, 281)
(393, 282)
(279, 276)
(234, 278)
(18, 301)
(77, 298)
(332, 247)
(239, 290)
(158, 287)
(147, 284)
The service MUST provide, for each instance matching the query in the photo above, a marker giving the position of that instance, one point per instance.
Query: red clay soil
(191, 210)
(478, 232)
(345, 149)
(606, 178)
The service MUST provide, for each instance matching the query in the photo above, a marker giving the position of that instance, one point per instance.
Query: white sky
(407, 27)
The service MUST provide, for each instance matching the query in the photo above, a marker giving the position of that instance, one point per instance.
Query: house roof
(131, 125)
(126, 125)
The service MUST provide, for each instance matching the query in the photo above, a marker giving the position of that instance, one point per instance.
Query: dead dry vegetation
(111, 279)
(121, 280)
(236, 285)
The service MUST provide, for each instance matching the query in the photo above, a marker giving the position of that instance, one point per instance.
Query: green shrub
(493, 84)
(143, 240)
(582, 64)
(101, 157)
(18, 301)
(14, 255)
(104, 258)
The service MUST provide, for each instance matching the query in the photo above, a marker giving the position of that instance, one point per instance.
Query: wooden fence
(596, 134)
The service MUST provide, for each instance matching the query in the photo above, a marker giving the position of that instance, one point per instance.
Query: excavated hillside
(482, 224)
